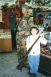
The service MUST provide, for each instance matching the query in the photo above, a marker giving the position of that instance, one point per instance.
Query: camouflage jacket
(25, 24)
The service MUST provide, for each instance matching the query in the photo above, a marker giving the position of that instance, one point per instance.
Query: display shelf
(5, 40)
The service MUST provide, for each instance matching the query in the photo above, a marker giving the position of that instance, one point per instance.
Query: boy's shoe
(33, 75)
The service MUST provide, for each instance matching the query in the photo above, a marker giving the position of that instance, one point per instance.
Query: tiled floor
(8, 63)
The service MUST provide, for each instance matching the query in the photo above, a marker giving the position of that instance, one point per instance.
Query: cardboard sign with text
(0, 15)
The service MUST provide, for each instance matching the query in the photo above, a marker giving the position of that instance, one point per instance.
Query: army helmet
(25, 6)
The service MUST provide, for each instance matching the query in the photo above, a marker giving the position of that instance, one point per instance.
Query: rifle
(20, 65)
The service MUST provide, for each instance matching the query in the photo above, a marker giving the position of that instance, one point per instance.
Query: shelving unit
(5, 40)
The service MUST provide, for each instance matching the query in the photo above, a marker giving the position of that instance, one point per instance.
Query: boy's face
(34, 31)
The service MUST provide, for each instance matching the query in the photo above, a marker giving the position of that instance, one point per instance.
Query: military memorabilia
(23, 31)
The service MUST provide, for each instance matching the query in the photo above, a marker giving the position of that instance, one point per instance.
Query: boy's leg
(34, 64)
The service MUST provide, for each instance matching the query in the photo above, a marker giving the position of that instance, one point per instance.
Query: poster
(0, 15)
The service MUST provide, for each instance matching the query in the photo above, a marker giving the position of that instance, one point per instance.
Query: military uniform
(21, 35)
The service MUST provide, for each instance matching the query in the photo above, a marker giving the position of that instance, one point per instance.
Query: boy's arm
(43, 40)
(28, 42)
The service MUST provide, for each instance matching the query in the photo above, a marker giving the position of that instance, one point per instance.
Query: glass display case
(45, 57)
(5, 40)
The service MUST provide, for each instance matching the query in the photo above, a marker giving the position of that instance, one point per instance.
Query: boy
(34, 55)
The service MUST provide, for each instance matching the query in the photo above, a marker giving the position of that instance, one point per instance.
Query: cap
(25, 6)
(34, 26)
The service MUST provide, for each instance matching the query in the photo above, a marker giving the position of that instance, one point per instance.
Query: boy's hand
(42, 35)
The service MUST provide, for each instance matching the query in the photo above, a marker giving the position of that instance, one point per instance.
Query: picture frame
(30, 11)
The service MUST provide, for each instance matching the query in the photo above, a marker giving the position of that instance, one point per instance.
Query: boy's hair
(34, 27)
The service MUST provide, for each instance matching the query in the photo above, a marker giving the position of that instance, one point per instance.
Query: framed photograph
(30, 12)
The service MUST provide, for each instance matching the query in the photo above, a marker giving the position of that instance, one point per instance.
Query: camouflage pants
(21, 49)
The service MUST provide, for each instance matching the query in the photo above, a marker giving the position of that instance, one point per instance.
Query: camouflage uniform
(24, 26)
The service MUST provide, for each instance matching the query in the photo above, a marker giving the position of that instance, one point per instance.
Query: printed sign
(0, 15)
